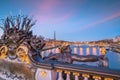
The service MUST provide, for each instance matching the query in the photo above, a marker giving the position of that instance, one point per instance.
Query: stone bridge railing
(83, 72)
(62, 71)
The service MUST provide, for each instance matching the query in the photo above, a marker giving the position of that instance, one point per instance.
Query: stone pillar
(75, 50)
(85, 76)
(87, 51)
(94, 51)
(81, 51)
(68, 75)
(44, 74)
(76, 74)
(60, 77)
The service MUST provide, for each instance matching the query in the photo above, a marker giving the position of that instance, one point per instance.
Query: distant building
(116, 39)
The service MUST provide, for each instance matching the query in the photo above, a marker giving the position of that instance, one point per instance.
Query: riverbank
(116, 50)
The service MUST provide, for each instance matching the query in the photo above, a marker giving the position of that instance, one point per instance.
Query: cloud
(48, 5)
(63, 18)
(45, 19)
(113, 16)
(46, 12)
(44, 8)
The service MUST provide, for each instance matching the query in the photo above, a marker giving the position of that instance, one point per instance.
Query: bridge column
(86, 76)
(76, 74)
(81, 51)
(68, 75)
(75, 50)
(60, 75)
(94, 51)
(87, 51)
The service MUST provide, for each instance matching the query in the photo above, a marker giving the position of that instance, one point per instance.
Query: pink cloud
(48, 5)
(113, 16)
(45, 8)
(53, 20)
(46, 12)
(51, 17)
(64, 17)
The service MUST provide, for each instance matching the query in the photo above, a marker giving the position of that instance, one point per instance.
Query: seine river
(113, 57)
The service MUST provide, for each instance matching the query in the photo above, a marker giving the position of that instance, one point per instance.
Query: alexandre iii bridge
(22, 56)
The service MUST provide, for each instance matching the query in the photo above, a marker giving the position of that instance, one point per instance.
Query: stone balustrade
(63, 71)
(73, 72)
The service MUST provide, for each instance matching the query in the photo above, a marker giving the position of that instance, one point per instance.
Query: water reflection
(114, 60)
(94, 51)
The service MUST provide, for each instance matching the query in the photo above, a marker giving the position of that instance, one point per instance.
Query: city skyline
(75, 20)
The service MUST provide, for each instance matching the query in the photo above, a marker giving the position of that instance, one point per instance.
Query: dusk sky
(73, 20)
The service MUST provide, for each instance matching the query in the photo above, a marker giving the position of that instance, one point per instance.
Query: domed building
(116, 39)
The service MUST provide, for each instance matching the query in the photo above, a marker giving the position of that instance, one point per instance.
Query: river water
(114, 60)
(113, 57)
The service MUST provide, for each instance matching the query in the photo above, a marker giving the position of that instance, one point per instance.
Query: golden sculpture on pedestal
(22, 53)
(3, 51)
(102, 51)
